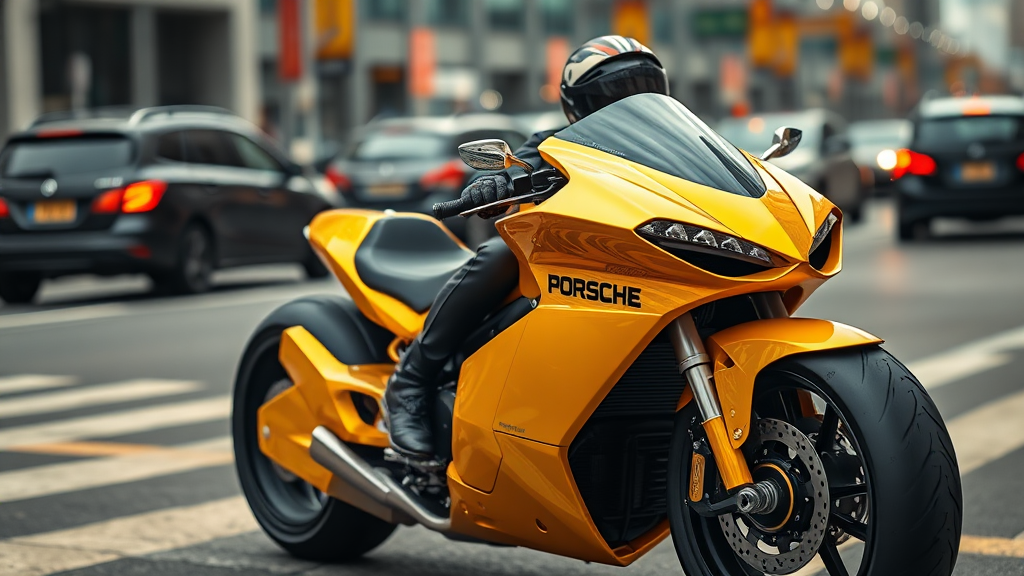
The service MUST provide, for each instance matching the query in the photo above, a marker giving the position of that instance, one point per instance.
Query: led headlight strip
(677, 235)
(823, 231)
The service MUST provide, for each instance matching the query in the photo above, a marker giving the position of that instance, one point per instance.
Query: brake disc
(785, 548)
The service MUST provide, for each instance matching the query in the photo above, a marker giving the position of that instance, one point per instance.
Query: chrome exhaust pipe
(331, 453)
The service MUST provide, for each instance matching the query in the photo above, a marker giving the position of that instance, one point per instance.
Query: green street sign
(719, 22)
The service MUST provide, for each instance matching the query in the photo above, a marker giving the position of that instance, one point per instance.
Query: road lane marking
(156, 461)
(86, 448)
(127, 536)
(94, 395)
(117, 423)
(969, 359)
(988, 546)
(988, 432)
(33, 382)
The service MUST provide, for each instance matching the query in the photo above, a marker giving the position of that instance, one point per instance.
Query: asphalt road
(115, 456)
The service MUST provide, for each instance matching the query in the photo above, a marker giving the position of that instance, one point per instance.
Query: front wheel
(301, 519)
(871, 481)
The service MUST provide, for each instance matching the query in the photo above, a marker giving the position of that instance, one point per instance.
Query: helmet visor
(609, 88)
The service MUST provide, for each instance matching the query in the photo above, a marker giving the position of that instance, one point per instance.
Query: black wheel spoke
(852, 527)
(847, 490)
(830, 556)
(827, 432)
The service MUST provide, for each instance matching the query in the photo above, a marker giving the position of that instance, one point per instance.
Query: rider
(602, 71)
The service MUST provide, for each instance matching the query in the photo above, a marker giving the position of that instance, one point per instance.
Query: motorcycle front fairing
(605, 293)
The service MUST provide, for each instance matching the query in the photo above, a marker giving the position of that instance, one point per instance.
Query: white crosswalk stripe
(115, 423)
(70, 476)
(33, 382)
(94, 396)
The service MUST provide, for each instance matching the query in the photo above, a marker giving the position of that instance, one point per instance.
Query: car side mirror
(491, 155)
(784, 141)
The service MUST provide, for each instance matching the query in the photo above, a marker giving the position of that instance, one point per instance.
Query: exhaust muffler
(331, 453)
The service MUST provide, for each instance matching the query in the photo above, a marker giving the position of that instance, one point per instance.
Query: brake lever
(534, 197)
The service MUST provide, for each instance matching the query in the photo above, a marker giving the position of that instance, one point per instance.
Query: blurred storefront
(72, 54)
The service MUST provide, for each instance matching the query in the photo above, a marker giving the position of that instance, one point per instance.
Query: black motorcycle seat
(409, 259)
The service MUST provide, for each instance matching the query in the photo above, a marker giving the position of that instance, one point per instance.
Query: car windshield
(967, 129)
(46, 157)
(659, 132)
(400, 144)
(754, 133)
(891, 133)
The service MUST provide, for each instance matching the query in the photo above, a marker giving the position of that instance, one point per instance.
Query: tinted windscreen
(47, 157)
(967, 129)
(402, 145)
(659, 132)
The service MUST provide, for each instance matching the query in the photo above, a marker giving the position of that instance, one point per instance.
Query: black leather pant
(473, 292)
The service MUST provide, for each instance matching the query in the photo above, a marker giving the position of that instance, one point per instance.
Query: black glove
(488, 189)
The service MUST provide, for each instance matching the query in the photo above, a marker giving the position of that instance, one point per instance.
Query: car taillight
(4, 210)
(109, 202)
(910, 162)
(449, 175)
(1020, 161)
(142, 196)
(340, 181)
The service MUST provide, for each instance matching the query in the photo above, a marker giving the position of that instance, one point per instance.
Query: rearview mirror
(490, 155)
(784, 141)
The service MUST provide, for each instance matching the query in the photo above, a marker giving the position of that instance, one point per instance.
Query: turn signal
(4, 210)
(1020, 161)
(108, 203)
(142, 196)
(910, 162)
(449, 175)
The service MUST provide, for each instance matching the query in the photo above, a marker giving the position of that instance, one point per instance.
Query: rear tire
(193, 271)
(305, 522)
(914, 505)
(19, 287)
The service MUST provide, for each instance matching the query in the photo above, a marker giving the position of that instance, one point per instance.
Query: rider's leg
(473, 292)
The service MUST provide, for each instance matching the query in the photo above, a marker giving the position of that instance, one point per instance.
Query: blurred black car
(408, 164)
(874, 145)
(174, 192)
(823, 160)
(966, 159)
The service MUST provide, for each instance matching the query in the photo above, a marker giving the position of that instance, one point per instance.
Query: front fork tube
(695, 365)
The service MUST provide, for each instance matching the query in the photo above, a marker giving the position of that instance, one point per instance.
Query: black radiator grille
(620, 458)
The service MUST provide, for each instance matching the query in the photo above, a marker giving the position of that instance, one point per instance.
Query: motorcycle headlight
(822, 232)
(668, 234)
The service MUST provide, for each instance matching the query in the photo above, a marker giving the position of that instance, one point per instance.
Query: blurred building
(1016, 64)
(71, 54)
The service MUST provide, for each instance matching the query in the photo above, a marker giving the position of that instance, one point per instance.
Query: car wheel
(19, 287)
(314, 267)
(194, 269)
(916, 230)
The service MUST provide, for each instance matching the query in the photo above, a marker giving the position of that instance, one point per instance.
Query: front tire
(302, 520)
(905, 504)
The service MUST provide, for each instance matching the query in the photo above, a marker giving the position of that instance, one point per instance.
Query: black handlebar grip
(450, 208)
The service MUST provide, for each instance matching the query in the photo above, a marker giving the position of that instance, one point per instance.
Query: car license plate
(977, 172)
(54, 212)
(388, 190)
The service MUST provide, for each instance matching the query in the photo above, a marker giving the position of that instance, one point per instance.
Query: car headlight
(822, 232)
(670, 234)
(886, 159)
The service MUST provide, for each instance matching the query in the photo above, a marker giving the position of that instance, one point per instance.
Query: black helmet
(606, 70)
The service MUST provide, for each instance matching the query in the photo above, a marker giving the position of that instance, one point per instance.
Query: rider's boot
(407, 405)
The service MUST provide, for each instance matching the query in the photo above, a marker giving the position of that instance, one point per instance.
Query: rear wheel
(193, 272)
(873, 479)
(301, 519)
(19, 287)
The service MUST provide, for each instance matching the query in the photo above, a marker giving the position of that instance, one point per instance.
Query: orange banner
(422, 62)
(289, 61)
(631, 20)
(335, 29)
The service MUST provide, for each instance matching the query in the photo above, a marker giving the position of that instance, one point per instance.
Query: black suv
(966, 159)
(174, 192)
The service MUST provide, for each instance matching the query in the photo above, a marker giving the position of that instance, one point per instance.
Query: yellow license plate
(54, 212)
(388, 190)
(977, 172)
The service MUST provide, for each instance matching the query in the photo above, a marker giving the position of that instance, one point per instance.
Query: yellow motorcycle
(646, 379)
